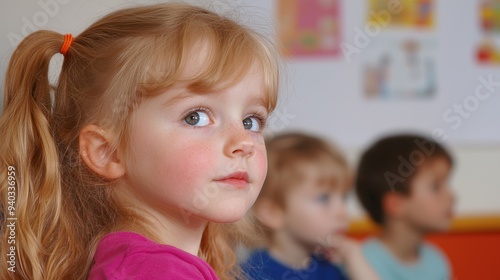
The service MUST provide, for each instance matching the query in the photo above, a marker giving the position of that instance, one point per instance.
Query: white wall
(323, 95)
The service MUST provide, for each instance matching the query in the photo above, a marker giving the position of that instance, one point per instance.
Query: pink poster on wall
(309, 28)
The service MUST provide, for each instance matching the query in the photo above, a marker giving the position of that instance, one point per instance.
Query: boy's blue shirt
(432, 264)
(261, 265)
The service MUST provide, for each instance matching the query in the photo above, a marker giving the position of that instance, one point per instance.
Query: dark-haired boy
(402, 182)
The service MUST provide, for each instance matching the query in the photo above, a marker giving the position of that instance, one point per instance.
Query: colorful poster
(488, 52)
(400, 63)
(309, 27)
(404, 13)
(488, 49)
(396, 69)
(489, 13)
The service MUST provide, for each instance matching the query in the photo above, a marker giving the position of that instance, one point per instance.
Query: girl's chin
(223, 216)
(227, 210)
(228, 217)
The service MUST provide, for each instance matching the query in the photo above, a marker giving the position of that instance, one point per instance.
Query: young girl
(150, 141)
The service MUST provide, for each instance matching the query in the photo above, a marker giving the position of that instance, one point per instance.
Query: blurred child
(136, 163)
(301, 209)
(402, 183)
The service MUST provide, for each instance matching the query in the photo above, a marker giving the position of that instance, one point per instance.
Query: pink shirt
(128, 255)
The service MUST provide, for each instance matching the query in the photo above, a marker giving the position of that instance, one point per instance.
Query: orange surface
(472, 246)
(470, 223)
(472, 255)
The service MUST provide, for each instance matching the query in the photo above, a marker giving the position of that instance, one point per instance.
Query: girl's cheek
(190, 159)
(262, 164)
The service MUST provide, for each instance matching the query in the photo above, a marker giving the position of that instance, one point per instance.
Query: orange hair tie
(68, 39)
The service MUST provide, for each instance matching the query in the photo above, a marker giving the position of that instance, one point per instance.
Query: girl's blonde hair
(62, 208)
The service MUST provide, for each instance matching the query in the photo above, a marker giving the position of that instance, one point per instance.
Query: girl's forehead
(210, 63)
(203, 63)
(250, 91)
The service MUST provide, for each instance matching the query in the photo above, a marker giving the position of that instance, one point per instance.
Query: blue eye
(324, 198)
(252, 123)
(197, 118)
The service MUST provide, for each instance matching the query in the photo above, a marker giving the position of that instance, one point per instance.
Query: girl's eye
(252, 123)
(197, 118)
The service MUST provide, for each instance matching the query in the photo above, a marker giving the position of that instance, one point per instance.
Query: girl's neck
(175, 227)
(288, 251)
(181, 234)
(402, 240)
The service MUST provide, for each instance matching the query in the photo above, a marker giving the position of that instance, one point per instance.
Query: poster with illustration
(309, 27)
(489, 14)
(418, 14)
(488, 49)
(400, 69)
(488, 52)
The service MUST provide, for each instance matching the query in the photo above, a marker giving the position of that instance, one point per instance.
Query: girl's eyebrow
(179, 95)
(184, 93)
(260, 101)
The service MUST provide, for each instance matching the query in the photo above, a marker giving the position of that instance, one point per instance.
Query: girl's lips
(236, 179)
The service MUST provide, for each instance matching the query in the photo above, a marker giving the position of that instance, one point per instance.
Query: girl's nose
(239, 142)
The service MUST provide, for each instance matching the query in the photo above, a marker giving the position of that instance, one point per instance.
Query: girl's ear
(269, 213)
(96, 151)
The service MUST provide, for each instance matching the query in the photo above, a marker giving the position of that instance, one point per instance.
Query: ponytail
(30, 181)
